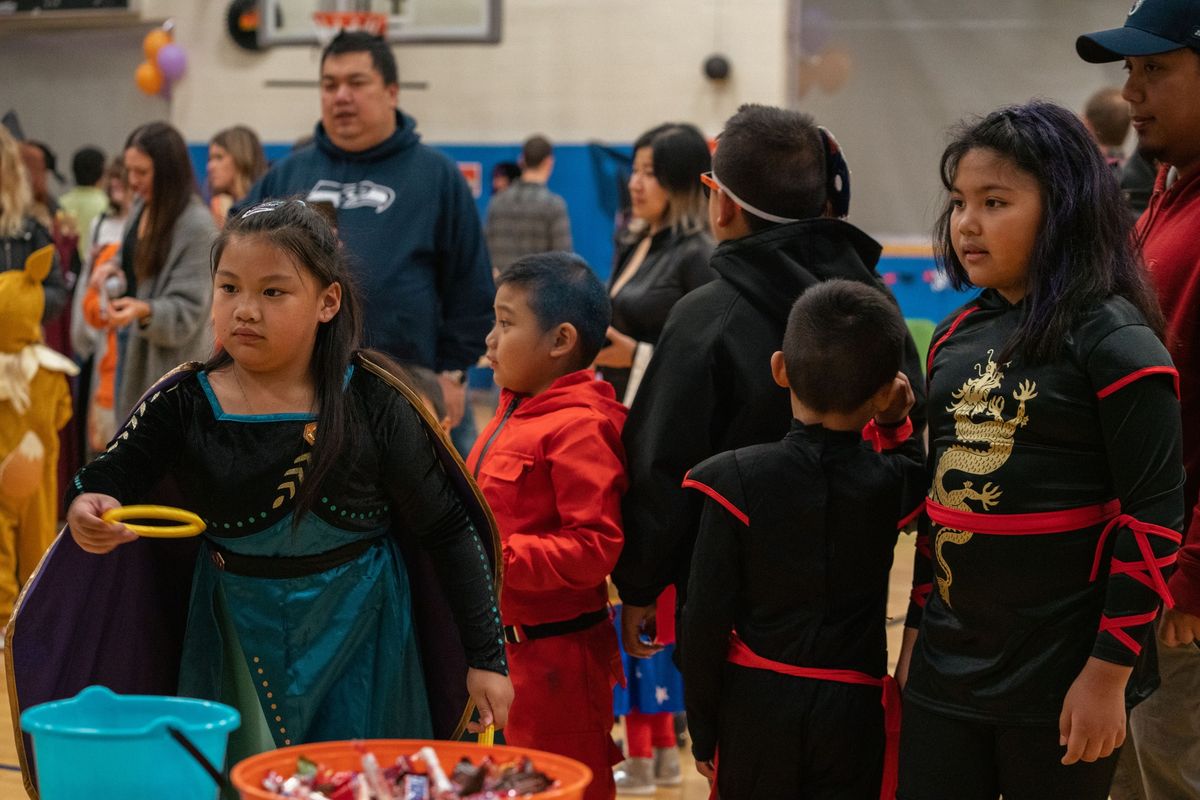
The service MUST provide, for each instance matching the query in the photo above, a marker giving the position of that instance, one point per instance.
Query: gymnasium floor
(694, 787)
(11, 787)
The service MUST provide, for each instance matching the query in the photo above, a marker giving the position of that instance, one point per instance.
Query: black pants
(784, 738)
(942, 758)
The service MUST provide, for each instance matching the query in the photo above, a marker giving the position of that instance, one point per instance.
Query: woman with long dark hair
(664, 252)
(163, 314)
(1057, 498)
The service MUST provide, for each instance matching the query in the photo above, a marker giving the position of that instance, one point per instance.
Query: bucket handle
(199, 757)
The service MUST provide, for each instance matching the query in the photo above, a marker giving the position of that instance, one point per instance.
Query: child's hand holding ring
(91, 532)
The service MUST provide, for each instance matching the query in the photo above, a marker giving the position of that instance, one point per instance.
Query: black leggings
(942, 758)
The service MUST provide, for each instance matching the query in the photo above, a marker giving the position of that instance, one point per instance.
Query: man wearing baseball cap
(1160, 45)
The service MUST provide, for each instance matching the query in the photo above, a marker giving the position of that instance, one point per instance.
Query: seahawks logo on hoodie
(361, 194)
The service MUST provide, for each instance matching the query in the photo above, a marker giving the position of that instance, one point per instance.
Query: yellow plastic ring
(191, 525)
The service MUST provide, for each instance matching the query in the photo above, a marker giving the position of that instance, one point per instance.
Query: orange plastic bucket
(247, 776)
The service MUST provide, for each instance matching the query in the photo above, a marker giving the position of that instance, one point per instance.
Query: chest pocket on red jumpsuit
(502, 475)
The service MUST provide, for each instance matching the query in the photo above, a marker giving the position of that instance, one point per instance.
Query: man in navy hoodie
(404, 212)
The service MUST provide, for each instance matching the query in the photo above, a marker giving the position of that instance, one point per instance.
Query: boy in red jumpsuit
(552, 468)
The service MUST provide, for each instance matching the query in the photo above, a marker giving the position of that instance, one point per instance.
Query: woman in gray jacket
(164, 313)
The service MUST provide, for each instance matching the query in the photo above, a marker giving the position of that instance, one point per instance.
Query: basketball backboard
(290, 22)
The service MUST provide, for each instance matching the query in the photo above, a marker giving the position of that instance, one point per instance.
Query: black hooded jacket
(709, 387)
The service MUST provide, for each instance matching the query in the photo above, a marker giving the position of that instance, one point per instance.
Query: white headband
(747, 207)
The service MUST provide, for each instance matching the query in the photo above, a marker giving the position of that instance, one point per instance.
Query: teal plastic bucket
(102, 744)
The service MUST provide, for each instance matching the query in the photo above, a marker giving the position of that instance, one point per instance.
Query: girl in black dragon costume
(1057, 500)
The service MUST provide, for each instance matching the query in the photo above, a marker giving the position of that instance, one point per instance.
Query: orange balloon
(835, 69)
(148, 78)
(154, 41)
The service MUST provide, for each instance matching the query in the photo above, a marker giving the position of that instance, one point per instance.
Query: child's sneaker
(666, 767)
(635, 776)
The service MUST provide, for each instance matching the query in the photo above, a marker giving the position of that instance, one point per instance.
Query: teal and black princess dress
(358, 622)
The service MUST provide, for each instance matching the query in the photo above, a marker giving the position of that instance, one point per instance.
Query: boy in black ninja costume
(789, 575)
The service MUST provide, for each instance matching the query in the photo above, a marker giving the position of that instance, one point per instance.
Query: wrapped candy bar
(414, 787)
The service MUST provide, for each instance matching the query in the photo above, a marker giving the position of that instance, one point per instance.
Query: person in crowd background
(528, 218)
(161, 310)
(504, 174)
(20, 232)
(1106, 115)
(664, 252)
(235, 163)
(41, 162)
(405, 214)
(425, 383)
(93, 340)
(1160, 45)
(87, 200)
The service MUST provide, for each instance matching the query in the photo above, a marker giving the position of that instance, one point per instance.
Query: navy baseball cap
(1152, 27)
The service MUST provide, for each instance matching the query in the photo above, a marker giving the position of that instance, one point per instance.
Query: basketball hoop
(329, 24)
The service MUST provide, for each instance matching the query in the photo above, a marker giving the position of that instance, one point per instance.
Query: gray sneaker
(635, 776)
(666, 767)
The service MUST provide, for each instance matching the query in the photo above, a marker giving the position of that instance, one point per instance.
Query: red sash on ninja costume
(741, 654)
(1147, 571)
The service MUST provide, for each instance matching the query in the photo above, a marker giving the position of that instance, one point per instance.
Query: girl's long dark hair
(1085, 250)
(299, 230)
(171, 190)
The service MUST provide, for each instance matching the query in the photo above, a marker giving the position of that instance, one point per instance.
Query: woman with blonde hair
(20, 233)
(235, 162)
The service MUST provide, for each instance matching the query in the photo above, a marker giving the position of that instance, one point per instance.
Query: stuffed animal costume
(35, 403)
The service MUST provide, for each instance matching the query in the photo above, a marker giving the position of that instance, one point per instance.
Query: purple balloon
(816, 30)
(172, 61)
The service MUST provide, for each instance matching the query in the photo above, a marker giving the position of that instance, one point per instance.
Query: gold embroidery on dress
(292, 479)
(982, 448)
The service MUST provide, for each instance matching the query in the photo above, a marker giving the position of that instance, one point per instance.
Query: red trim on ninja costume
(716, 762)
(1116, 626)
(1069, 519)
(1117, 385)
(1148, 571)
(911, 516)
(886, 437)
(741, 654)
(738, 514)
(920, 594)
(953, 326)
(923, 547)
